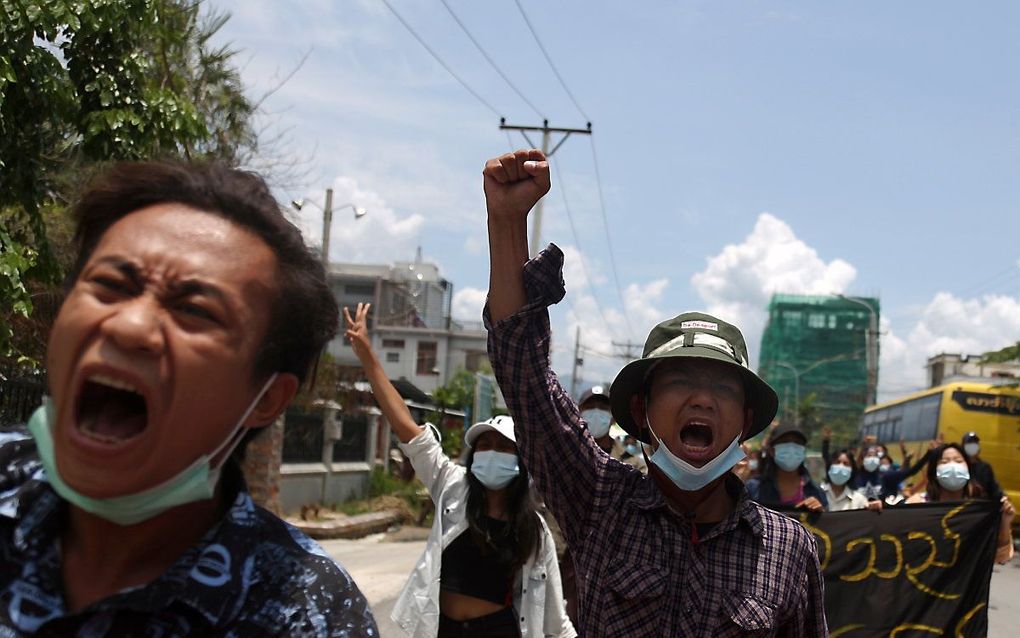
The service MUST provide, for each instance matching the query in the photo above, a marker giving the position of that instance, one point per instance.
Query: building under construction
(821, 346)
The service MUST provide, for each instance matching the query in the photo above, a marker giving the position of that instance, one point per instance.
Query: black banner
(907, 572)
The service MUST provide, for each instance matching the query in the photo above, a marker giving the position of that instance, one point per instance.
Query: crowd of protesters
(194, 313)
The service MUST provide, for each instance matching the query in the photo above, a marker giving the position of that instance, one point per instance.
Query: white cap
(502, 424)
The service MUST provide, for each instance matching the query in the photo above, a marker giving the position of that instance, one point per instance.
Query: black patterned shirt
(642, 569)
(251, 575)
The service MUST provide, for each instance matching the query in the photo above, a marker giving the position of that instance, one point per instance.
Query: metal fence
(302, 437)
(21, 392)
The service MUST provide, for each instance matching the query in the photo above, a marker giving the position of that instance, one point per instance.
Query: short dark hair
(304, 316)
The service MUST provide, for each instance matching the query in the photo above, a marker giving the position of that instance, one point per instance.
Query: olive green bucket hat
(698, 335)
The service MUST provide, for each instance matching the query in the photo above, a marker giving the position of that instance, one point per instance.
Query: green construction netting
(816, 345)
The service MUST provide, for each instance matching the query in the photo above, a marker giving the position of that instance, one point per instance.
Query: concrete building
(945, 368)
(820, 345)
(412, 330)
(420, 346)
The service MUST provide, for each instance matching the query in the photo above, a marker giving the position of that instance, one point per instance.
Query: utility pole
(630, 350)
(577, 362)
(536, 226)
(327, 222)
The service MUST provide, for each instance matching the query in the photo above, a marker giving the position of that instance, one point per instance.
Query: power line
(440, 60)
(609, 241)
(995, 280)
(584, 265)
(549, 60)
(490, 60)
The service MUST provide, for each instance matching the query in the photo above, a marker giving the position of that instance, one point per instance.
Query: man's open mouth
(110, 410)
(696, 436)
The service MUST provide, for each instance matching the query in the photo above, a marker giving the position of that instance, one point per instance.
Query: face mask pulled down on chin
(196, 482)
(686, 476)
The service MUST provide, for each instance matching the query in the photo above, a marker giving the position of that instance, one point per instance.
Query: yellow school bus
(952, 410)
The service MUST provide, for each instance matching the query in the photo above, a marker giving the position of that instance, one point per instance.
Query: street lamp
(797, 374)
(871, 346)
(796, 389)
(327, 219)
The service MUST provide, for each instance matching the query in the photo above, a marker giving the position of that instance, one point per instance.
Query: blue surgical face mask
(882, 468)
(788, 456)
(598, 421)
(952, 476)
(494, 469)
(839, 474)
(871, 463)
(197, 482)
(688, 477)
(632, 449)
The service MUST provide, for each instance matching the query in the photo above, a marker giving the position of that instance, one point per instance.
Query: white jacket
(538, 594)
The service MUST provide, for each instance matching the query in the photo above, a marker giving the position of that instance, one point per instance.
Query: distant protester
(839, 494)
(983, 475)
(489, 569)
(785, 481)
(949, 479)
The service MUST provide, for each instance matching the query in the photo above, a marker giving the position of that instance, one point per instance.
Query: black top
(251, 575)
(765, 491)
(480, 564)
(982, 473)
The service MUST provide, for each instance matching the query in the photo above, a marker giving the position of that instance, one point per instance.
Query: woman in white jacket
(489, 567)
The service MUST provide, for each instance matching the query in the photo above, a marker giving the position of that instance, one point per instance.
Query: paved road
(1004, 600)
(380, 568)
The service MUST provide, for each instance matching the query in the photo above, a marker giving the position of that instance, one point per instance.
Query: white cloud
(948, 324)
(737, 283)
(600, 320)
(468, 304)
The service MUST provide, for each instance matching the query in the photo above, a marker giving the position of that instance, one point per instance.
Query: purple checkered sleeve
(642, 569)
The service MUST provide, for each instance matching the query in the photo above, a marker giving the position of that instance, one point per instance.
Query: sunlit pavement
(380, 568)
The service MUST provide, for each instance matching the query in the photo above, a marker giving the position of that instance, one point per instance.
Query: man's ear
(637, 411)
(748, 422)
(274, 400)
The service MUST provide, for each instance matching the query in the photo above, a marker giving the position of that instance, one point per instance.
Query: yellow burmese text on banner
(909, 571)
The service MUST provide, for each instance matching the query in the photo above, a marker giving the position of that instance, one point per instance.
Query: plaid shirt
(642, 570)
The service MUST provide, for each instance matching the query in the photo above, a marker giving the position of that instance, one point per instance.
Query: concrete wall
(301, 484)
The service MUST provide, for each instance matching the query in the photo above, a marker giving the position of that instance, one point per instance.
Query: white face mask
(871, 463)
(196, 482)
(952, 476)
(686, 476)
(971, 449)
(598, 421)
(495, 470)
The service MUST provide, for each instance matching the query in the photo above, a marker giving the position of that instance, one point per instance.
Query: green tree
(1009, 353)
(457, 394)
(87, 82)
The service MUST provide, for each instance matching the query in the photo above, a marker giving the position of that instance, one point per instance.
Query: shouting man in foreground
(194, 312)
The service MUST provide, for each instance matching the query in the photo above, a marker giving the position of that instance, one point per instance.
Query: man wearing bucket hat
(682, 551)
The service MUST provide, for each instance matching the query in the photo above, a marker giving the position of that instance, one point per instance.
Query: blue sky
(743, 148)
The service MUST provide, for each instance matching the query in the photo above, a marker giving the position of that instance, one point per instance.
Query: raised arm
(826, 441)
(390, 401)
(513, 184)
